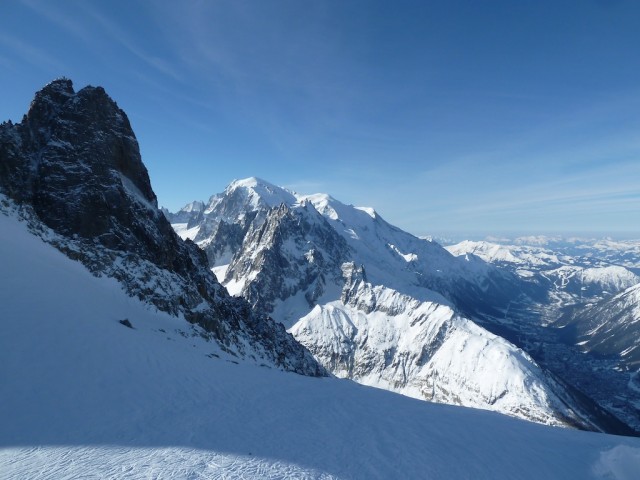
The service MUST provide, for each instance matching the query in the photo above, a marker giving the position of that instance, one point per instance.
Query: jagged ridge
(74, 164)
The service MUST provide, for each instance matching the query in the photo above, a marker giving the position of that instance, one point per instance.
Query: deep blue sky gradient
(479, 117)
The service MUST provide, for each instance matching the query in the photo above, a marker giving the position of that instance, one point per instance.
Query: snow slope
(379, 337)
(411, 265)
(83, 396)
(612, 327)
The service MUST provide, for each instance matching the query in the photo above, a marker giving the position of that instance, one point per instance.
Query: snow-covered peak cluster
(392, 257)
(494, 252)
(537, 240)
(258, 193)
(254, 193)
(574, 272)
(287, 253)
(604, 250)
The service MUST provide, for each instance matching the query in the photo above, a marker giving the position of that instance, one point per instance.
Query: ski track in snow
(83, 396)
(113, 462)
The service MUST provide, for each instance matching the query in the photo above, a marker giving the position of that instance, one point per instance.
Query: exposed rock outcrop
(74, 162)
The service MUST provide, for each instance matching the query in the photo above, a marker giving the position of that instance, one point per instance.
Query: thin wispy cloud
(31, 54)
(119, 35)
(6, 63)
(82, 17)
(567, 199)
(269, 71)
(419, 110)
(60, 17)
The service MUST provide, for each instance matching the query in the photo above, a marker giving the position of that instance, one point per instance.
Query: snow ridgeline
(592, 275)
(379, 337)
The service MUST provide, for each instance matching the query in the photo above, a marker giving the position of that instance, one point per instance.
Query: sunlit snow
(83, 396)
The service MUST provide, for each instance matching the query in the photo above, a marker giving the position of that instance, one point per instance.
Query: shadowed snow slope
(612, 326)
(84, 396)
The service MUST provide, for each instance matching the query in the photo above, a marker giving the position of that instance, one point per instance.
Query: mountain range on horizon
(286, 253)
(212, 337)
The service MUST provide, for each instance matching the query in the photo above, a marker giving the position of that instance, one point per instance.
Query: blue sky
(448, 117)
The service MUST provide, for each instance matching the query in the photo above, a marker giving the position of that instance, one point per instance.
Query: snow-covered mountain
(524, 258)
(611, 327)
(590, 251)
(122, 356)
(420, 268)
(587, 308)
(84, 396)
(382, 338)
(575, 277)
(287, 254)
(72, 168)
(598, 293)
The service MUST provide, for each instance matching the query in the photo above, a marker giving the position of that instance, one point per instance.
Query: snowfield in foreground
(85, 396)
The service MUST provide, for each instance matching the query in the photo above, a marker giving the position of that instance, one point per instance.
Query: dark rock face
(85, 175)
(292, 251)
(126, 323)
(226, 237)
(74, 160)
(610, 327)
